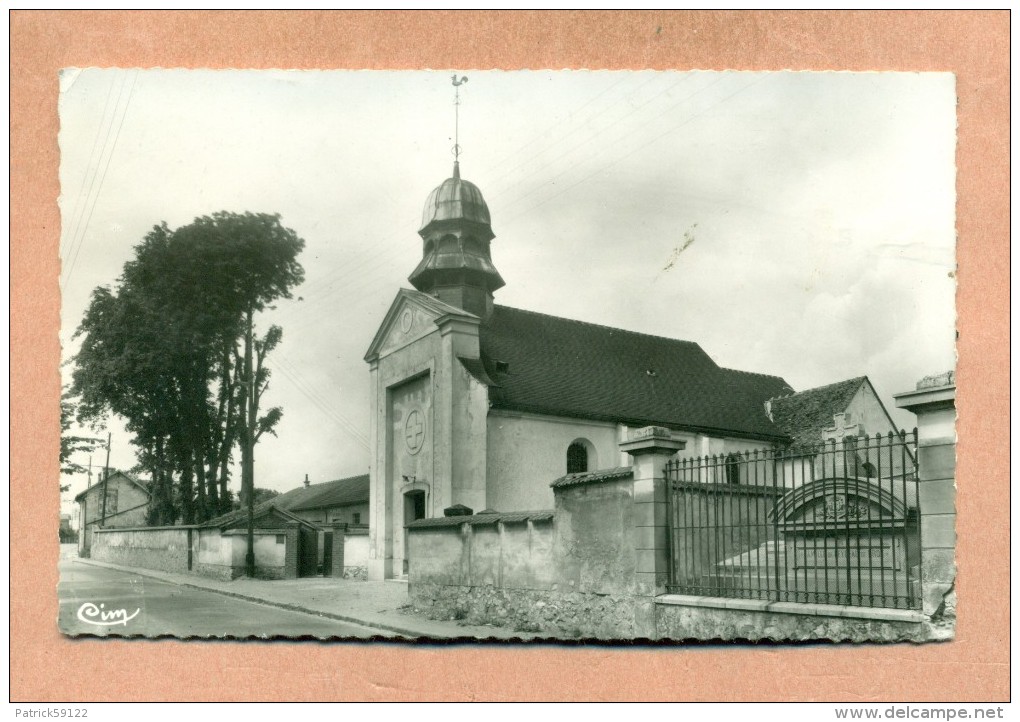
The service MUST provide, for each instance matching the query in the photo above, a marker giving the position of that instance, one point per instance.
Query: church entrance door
(414, 509)
(409, 438)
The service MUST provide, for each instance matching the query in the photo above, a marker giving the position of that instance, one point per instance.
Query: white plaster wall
(212, 548)
(356, 550)
(865, 408)
(526, 452)
(468, 484)
(343, 514)
(701, 445)
(346, 514)
(940, 424)
(268, 552)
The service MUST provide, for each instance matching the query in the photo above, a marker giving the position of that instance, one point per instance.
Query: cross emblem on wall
(414, 431)
(841, 427)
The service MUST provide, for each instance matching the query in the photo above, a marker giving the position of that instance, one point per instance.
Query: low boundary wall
(220, 554)
(165, 549)
(597, 566)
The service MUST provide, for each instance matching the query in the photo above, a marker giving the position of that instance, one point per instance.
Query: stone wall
(215, 554)
(597, 566)
(501, 550)
(572, 577)
(270, 553)
(595, 551)
(705, 622)
(164, 549)
(553, 613)
(356, 554)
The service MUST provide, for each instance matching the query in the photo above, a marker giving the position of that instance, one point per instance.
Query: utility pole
(248, 448)
(106, 479)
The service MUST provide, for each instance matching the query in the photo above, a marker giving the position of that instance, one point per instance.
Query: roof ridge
(857, 379)
(754, 373)
(344, 478)
(599, 325)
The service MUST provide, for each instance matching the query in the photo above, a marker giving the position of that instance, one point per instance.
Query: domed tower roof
(456, 264)
(455, 200)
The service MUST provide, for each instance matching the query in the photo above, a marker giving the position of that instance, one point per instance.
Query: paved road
(98, 594)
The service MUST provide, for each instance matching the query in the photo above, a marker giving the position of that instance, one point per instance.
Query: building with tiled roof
(118, 500)
(801, 415)
(341, 500)
(481, 405)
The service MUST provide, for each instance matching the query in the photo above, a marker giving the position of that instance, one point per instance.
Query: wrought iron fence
(835, 523)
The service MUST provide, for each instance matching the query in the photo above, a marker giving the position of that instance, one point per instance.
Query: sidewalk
(373, 604)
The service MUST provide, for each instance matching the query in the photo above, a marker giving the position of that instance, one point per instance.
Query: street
(107, 602)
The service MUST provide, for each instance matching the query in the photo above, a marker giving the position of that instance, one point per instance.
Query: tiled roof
(593, 477)
(482, 519)
(142, 484)
(352, 490)
(240, 516)
(558, 366)
(803, 415)
(340, 492)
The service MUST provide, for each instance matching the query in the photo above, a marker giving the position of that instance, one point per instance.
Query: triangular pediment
(411, 316)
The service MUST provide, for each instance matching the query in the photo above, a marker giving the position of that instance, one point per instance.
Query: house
(222, 544)
(481, 405)
(118, 500)
(313, 508)
(341, 500)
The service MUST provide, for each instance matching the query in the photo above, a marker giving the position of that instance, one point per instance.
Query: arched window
(577, 458)
(733, 469)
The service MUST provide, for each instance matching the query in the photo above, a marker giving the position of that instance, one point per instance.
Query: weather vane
(456, 116)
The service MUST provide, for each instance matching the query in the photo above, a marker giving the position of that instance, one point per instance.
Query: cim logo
(101, 617)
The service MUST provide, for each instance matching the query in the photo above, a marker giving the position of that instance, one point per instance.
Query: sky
(791, 223)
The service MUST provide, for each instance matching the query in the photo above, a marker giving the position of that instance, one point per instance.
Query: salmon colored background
(974, 45)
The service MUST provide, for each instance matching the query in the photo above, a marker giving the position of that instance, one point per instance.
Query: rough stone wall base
(271, 573)
(562, 615)
(218, 571)
(161, 560)
(705, 623)
(573, 615)
(360, 573)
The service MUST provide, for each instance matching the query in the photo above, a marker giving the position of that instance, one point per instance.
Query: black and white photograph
(508, 355)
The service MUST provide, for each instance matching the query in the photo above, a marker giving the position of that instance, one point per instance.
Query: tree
(168, 351)
(261, 495)
(71, 444)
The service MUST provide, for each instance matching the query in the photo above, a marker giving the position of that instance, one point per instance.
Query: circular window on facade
(406, 320)
(414, 431)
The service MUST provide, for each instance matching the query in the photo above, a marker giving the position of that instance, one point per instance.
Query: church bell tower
(456, 265)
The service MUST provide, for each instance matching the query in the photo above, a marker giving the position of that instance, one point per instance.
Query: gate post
(650, 448)
(934, 402)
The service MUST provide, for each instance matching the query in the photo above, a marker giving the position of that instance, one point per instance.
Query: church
(483, 406)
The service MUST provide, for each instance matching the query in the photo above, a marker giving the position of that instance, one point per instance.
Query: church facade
(482, 405)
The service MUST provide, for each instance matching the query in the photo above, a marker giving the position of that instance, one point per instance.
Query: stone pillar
(934, 402)
(290, 560)
(650, 448)
(337, 551)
